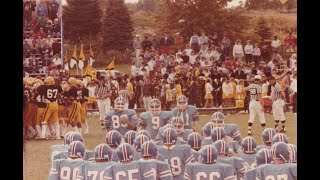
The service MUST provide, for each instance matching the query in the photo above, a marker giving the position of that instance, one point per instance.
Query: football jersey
(93, 170)
(65, 169)
(84, 93)
(177, 157)
(88, 155)
(52, 92)
(237, 163)
(234, 146)
(137, 155)
(58, 148)
(159, 170)
(190, 116)
(179, 142)
(74, 93)
(62, 99)
(152, 124)
(262, 146)
(114, 155)
(249, 158)
(40, 97)
(216, 171)
(196, 155)
(129, 171)
(206, 141)
(113, 120)
(250, 174)
(232, 130)
(277, 171)
(184, 135)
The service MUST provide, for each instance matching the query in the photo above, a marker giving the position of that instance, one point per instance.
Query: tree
(81, 18)
(117, 26)
(263, 30)
(263, 4)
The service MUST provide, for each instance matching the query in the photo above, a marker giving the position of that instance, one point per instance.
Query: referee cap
(257, 77)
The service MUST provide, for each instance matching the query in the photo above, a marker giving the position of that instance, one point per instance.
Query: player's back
(196, 155)
(250, 174)
(52, 92)
(262, 146)
(88, 155)
(185, 134)
(249, 158)
(237, 163)
(137, 155)
(114, 155)
(177, 156)
(286, 171)
(217, 171)
(179, 142)
(231, 130)
(158, 169)
(93, 170)
(65, 169)
(58, 148)
(73, 92)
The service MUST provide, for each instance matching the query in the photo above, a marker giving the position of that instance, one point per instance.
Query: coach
(102, 94)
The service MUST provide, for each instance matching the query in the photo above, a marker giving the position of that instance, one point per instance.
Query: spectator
(56, 27)
(203, 39)
(134, 70)
(290, 42)
(56, 47)
(146, 93)
(238, 74)
(137, 43)
(155, 43)
(146, 44)
(265, 56)
(195, 42)
(54, 72)
(225, 43)
(42, 10)
(27, 15)
(292, 60)
(168, 97)
(42, 22)
(208, 97)
(276, 56)
(178, 41)
(53, 8)
(275, 44)
(165, 42)
(293, 89)
(248, 49)
(48, 27)
(238, 50)
(256, 55)
(287, 81)
(215, 40)
(57, 60)
(49, 41)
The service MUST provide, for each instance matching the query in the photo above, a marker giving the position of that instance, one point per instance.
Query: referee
(278, 103)
(255, 105)
(103, 97)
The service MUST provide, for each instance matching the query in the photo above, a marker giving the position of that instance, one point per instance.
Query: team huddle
(163, 145)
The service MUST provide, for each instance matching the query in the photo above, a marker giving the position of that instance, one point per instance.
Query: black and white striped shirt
(255, 91)
(125, 94)
(276, 92)
(101, 91)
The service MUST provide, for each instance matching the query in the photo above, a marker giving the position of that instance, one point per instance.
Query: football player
(61, 147)
(194, 140)
(263, 156)
(83, 102)
(280, 168)
(207, 168)
(154, 118)
(63, 109)
(127, 169)
(52, 91)
(121, 119)
(143, 132)
(68, 168)
(160, 141)
(113, 139)
(293, 153)
(176, 156)
(74, 95)
(188, 113)
(206, 133)
(138, 141)
(130, 136)
(248, 146)
(40, 91)
(30, 111)
(267, 135)
(95, 170)
(279, 137)
(149, 150)
(178, 124)
(237, 163)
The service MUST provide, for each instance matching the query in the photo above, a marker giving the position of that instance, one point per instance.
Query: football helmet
(49, 81)
(79, 83)
(125, 152)
(169, 136)
(222, 147)
(218, 118)
(72, 81)
(267, 135)
(263, 156)
(149, 149)
(207, 128)
(154, 107)
(66, 136)
(38, 81)
(138, 141)
(279, 137)
(182, 102)
(208, 154)
(75, 136)
(144, 132)
(129, 137)
(119, 103)
(194, 140)
(293, 153)
(76, 149)
(217, 133)
(248, 145)
(113, 138)
(178, 124)
(36, 85)
(280, 150)
(103, 152)
(65, 87)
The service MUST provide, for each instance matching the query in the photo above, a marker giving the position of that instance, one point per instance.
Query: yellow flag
(91, 57)
(111, 65)
(66, 57)
(88, 70)
(81, 56)
(73, 60)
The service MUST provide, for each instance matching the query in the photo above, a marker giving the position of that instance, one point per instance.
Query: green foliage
(263, 4)
(81, 18)
(117, 26)
(262, 29)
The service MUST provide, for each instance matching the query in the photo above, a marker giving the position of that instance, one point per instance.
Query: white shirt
(271, 65)
(171, 77)
(203, 39)
(237, 49)
(275, 43)
(57, 61)
(208, 88)
(178, 54)
(134, 70)
(179, 60)
(248, 49)
(163, 71)
(151, 64)
(192, 59)
(265, 88)
(50, 42)
(293, 85)
(188, 51)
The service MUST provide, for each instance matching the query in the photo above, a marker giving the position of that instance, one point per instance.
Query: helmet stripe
(74, 148)
(209, 157)
(111, 134)
(124, 152)
(265, 156)
(101, 150)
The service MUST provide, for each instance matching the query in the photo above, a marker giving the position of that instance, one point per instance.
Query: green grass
(36, 155)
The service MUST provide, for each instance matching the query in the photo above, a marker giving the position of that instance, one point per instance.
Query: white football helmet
(154, 107)
(182, 102)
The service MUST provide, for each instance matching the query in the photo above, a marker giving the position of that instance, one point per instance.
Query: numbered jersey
(130, 171)
(177, 157)
(250, 159)
(93, 170)
(262, 146)
(216, 171)
(40, 97)
(52, 92)
(153, 123)
(62, 99)
(58, 148)
(234, 146)
(232, 131)
(65, 169)
(237, 163)
(250, 174)
(287, 171)
(84, 95)
(184, 135)
(255, 91)
(114, 120)
(74, 93)
(159, 170)
(189, 116)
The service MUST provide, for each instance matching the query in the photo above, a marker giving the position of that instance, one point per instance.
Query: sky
(231, 4)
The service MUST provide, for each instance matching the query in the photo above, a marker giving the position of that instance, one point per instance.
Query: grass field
(36, 153)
